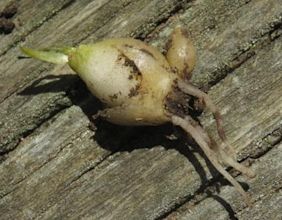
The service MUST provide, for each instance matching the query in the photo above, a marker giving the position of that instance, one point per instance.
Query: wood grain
(55, 167)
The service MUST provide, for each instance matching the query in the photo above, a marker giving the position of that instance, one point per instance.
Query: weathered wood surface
(54, 167)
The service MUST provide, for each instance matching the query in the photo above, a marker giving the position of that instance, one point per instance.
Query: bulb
(140, 86)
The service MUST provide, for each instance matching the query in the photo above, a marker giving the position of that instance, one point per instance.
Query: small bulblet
(130, 77)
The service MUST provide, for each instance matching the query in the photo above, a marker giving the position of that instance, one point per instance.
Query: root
(208, 103)
(204, 141)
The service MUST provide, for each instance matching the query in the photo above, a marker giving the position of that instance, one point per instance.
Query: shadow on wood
(117, 138)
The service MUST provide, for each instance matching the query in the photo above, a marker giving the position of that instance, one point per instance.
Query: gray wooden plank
(265, 190)
(117, 179)
(119, 188)
(254, 101)
(129, 181)
(144, 184)
(46, 163)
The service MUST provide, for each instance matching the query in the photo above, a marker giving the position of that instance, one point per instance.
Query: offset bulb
(181, 46)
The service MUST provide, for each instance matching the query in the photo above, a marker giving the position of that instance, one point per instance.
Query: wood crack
(90, 168)
(12, 144)
(50, 159)
(257, 42)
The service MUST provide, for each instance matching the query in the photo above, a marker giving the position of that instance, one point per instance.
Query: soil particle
(134, 91)
(10, 10)
(6, 26)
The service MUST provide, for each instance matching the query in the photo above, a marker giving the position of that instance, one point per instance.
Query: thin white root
(231, 162)
(194, 91)
(225, 157)
(201, 137)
